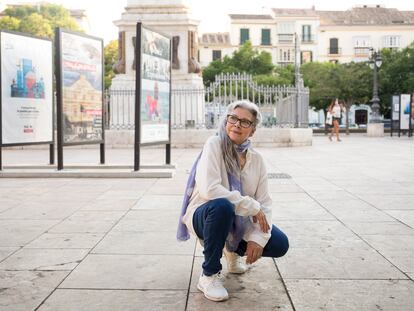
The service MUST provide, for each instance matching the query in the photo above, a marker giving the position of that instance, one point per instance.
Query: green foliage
(396, 75)
(36, 25)
(40, 20)
(355, 83)
(323, 82)
(110, 57)
(246, 59)
(9, 23)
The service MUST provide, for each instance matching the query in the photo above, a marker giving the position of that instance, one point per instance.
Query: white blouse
(336, 111)
(212, 183)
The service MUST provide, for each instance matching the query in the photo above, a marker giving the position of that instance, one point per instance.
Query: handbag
(328, 118)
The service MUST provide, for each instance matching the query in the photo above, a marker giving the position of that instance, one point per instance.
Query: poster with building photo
(405, 111)
(155, 87)
(26, 89)
(82, 88)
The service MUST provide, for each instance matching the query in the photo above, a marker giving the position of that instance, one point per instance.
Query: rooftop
(250, 16)
(215, 38)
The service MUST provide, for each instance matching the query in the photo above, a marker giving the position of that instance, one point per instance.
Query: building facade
(335, 36)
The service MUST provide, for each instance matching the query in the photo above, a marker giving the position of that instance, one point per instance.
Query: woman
(335, 109)
(229, 207)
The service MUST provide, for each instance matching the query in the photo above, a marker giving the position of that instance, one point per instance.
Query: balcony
(286, 38)
(334, 51)
(361, 51)
(285, 63)
(306, 39)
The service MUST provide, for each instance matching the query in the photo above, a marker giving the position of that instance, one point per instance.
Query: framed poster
(26, 89)
(405, 111)
(395, 107)
(81, 88)
(412, 112)
(155, 82)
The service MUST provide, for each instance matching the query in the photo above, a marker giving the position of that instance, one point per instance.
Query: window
(333, 46)
(286, 55)
(306, 33)
(306, 57)
(286, 28)
(362, 42)
(216, 54)
(244, 35)
(265, 36)
(392, 41)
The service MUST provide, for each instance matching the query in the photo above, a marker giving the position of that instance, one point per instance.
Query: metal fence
(281, 106)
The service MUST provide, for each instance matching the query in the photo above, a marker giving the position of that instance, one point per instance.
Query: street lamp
(375, 63)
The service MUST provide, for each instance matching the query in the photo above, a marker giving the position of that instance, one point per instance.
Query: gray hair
(231, 158)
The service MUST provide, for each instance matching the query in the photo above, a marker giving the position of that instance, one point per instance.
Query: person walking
(227, 205)
(335, 109)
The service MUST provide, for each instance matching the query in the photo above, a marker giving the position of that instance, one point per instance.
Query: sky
(212, 14)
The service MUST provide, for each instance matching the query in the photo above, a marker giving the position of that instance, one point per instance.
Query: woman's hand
(253, 252)
(261, 218)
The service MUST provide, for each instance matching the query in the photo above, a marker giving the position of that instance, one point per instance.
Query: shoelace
(218, 279)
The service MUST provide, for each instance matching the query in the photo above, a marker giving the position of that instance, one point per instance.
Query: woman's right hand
(261, 218)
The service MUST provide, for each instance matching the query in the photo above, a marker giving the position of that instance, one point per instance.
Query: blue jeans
(212, 222)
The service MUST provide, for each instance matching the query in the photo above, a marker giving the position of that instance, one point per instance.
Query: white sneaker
(234, 262)
(212, 287)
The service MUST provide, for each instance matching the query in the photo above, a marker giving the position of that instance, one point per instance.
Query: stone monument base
(375, 130)
(264, 137)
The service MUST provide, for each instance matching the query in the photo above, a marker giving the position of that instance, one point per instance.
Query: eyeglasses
(243, 122)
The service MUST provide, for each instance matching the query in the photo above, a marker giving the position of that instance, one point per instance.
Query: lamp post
(375, 63)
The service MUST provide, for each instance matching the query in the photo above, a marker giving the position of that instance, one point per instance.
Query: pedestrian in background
(335, 109)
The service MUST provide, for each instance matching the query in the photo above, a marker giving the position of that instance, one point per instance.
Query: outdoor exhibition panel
(153, 90)
(26, 90)
(80, 94)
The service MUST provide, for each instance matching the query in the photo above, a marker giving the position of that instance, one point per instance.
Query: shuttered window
(265, 36)
(244, 35)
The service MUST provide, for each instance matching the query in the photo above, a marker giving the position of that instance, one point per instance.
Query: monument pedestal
(172, 18)
(375, 130)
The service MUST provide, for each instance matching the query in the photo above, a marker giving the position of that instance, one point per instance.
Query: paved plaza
(109, 244)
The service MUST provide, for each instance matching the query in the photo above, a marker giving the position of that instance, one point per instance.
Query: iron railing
(281, 106)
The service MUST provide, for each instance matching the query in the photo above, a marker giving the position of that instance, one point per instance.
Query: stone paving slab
(66, 240)
(44, 259)
(356, 262)
(18, 232)
(25, 290)
(144, 243)
(160, 272)
(110, 300)
(345, 295)
(350, 224)
(406, 217)
(6, 251)
(143, 220)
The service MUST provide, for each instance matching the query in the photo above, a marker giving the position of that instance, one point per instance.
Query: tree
(36, 25)
(9, 23)
(246, 59)
(355, 80)
(40, 20)
(110, 57)
(396, 75)
(281, 76)
(323, 82)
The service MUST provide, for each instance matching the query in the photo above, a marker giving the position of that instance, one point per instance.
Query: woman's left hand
(253, 252)
(261, 218)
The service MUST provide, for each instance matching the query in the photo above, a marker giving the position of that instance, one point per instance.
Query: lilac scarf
(237, 230)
